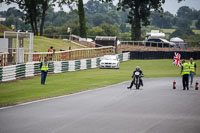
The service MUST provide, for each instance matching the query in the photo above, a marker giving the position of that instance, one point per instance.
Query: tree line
(98, 17)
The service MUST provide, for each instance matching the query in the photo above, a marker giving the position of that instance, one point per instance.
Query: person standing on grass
(185, 71)
(44, 70)
(193, 69)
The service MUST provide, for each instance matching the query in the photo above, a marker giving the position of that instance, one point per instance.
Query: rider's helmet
(137, 68)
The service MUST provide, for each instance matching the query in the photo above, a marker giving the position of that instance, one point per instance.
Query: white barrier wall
(8, 73)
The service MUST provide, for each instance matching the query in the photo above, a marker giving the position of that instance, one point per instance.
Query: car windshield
(110, 58)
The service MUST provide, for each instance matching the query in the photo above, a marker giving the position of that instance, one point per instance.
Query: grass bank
(72, 82)
(42, 44)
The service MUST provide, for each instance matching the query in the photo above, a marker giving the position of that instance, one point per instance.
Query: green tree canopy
(34, 12)
(104, 29)
(198, 24)
(162, 20)
(183, 23)
(185, 12)
(96, 6)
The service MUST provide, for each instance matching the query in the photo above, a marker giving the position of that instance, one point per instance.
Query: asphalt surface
(156, 108)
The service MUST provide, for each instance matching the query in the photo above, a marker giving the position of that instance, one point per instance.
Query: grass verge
(71, 82)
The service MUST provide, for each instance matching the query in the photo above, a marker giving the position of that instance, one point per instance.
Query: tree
(34, 12)
(113, 14)
(13, 17)
(95, 6)
(162, 20)
(100, 18)
(52, 30)
(183, 23)
(104, 29)
(81, 13)
(124, 28)
(126, 36)
(45, 4)
(96, 31)
(198, 24)
(139, 11)
(185, 12)
(110, 30)
(14, 11)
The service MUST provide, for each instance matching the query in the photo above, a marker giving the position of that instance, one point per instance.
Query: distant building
(106, 41)
(155, 34)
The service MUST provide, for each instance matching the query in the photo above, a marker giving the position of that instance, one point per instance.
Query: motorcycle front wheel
(137, 84)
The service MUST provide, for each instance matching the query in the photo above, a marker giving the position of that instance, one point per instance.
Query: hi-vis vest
(44, 68)
(186, 69)
(191, 66)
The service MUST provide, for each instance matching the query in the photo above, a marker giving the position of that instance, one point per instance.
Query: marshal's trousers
(185, 81)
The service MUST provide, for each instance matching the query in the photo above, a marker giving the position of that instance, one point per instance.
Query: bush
(104, 30)
(126, 36)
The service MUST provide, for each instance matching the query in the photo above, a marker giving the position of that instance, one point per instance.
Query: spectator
(51, 49)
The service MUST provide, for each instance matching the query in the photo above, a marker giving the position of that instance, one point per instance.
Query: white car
(109, 61)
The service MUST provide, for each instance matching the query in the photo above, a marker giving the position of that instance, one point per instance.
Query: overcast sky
(170, 5)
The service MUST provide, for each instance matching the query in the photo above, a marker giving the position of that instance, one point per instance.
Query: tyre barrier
(30, 69)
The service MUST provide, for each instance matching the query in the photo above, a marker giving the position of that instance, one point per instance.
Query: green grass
(42, 44)
(168, 31)
(71, 82)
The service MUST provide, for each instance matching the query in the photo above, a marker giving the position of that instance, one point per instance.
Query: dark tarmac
(155, 108)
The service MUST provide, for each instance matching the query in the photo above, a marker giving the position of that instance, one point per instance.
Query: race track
(156, 108)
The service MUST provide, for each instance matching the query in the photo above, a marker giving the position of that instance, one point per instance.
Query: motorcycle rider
(133, 76)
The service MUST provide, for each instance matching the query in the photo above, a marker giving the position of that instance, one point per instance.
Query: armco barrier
(8, 73)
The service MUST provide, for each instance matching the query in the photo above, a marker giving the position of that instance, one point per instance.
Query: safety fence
(74, 54)
(30, 69)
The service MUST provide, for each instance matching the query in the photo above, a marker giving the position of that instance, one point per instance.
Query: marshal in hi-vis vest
(186, 69)
(44, 68)
(191, 66)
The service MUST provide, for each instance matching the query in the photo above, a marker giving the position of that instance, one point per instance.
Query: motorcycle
(137, 80)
